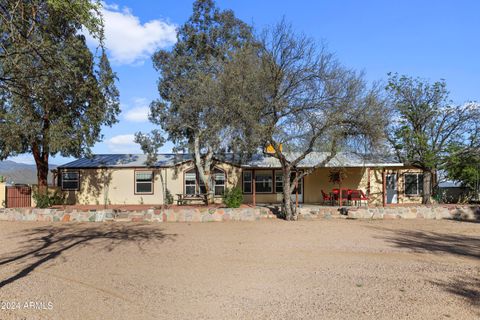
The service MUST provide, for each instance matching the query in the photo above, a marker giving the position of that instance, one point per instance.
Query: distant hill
(21, 173)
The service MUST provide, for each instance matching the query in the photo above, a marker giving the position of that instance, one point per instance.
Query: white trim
(419, 192)
(71, 180)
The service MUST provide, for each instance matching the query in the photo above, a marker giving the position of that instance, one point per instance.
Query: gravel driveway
(330, 269)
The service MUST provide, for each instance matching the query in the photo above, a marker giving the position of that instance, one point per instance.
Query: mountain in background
(21, 173)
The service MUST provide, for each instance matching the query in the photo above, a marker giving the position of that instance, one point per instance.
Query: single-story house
(117, 179)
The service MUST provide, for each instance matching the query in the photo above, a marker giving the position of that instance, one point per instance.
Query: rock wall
(202, 214)
(154, 215)
(457, 212)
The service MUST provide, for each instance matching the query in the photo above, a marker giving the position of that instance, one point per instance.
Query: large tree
(302, 100)
(55, 93)
(190, 108)
(464, 167)
(426, 126)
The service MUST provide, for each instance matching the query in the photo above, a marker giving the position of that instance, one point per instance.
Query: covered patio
(329, 186)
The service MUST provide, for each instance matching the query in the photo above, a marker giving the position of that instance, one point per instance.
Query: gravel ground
(331, 269)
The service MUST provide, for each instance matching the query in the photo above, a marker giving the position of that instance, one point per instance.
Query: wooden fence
(19, 196)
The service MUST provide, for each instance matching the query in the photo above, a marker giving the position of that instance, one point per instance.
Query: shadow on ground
(44, 244)
(435, 242)
(464, 287)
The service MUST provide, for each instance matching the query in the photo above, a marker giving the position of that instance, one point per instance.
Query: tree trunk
(427, 187)
(41, 161)
(204, 169)
(289, 211)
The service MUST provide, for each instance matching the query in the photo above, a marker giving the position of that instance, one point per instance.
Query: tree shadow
(467, 287)
(464, 287)
(44, 244)
(422, 241)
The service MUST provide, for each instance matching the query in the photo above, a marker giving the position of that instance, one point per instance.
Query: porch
(352, 186)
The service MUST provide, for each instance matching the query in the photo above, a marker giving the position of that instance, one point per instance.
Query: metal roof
(342, 159)
(126, 161)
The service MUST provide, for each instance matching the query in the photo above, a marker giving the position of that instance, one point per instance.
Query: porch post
(384, 188)
(296, 190)
(253, 180)
(368, 187)
(368, 181)
(340, 192)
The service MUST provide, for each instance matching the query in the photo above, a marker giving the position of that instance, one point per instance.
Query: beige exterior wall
(117, 186)
(3, 194)
(113, 186)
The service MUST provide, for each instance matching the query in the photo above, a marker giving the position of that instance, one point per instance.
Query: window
(70, 180)
(278, 182)
(144, 182)
(247, 182)
(263, 182)
(413, 184)
(194, 184)
(219, 177)
(190, 182)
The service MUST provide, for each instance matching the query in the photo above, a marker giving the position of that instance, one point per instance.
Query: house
(452, 192)
(126, 179)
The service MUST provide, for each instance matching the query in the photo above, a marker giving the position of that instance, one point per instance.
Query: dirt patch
(332, 269)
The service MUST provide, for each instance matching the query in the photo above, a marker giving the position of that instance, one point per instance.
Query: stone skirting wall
(153, 215)
(470, 213)
(200, 214)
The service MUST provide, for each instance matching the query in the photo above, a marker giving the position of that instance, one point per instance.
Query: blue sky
(430, 39)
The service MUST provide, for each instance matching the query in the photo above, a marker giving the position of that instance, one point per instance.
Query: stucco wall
(117, 186)
(113, 186)
(3, 194)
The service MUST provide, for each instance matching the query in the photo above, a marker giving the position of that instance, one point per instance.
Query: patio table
(183, 198)
(342, 195)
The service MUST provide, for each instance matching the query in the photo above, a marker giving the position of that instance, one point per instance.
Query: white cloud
(139, 111)
(138, 114)
(128, 40)
(123, 143)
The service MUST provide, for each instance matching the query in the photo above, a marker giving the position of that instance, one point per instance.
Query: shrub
(233, 198)
(47, 200)
(168, 197)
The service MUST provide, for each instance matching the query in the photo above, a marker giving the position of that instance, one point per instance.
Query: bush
(233, 198)
(169, 197)
(46, 200)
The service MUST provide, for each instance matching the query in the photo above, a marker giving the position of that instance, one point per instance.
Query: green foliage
(55, 95)
(169, 197)
(426, 125)
(192, 109)
(464, 167)
(233, 198)
(48, 200)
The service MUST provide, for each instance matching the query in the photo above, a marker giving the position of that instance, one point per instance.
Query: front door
(392, 188)
(300, 191)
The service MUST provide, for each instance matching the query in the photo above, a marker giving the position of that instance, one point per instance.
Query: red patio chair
(326, 198)
(364, 198)
(358, 196)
